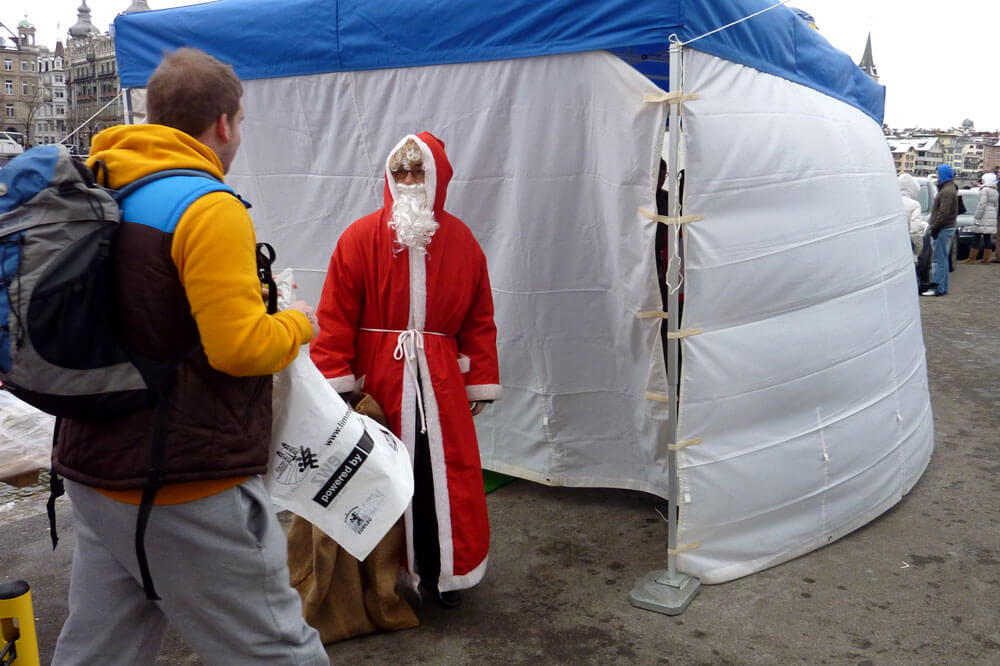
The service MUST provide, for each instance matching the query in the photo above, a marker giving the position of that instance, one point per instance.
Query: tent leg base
(656, 592)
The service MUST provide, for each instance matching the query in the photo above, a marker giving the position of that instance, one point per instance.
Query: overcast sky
(940, 63)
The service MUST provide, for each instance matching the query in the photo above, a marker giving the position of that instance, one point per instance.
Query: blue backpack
(59, 346)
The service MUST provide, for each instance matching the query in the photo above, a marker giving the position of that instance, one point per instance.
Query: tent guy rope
(737, 22)
(99, 112)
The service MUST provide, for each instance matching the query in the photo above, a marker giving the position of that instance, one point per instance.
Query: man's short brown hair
(190, 90)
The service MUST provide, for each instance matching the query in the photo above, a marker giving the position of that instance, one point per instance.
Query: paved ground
(920, 585)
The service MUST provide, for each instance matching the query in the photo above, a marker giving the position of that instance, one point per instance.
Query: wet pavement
(919, 585)
(10, 493)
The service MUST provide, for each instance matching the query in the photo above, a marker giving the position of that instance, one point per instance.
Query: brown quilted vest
(218, 425)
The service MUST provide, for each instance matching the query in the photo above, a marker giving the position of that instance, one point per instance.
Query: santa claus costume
(410, 321)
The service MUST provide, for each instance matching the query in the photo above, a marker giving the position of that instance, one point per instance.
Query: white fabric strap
(675, 97)
(407, 344)
(665, 219)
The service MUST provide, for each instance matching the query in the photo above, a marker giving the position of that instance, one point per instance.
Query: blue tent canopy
(265, 39)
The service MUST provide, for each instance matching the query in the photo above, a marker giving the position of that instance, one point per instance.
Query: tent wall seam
(364, 136)
(821, 431)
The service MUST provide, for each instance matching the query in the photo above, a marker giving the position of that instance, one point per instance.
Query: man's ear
(222, 129)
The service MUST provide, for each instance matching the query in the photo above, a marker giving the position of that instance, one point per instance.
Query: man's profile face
(228, 151)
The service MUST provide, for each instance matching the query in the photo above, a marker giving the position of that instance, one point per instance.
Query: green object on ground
(493, 480)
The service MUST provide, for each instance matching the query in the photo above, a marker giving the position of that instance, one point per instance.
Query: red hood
(442, 171)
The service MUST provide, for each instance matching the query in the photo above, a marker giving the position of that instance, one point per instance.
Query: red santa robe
(383, 310)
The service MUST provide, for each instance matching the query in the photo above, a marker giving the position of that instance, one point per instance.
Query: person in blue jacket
(943, 215)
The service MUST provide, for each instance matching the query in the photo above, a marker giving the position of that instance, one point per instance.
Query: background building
(928, 154)
(20, 95)
(905, 157)
(92, 81)
(50, 122)
(62, 95)
(991, 156)
(867, 61)
(969, 152)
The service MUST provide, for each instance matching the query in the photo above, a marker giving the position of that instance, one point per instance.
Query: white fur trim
(430, 170)
(463, 582)
(407, 433)
(343, 384)
(464, 363)
(408, 578)
(435, 445)
(449, 583)
(483, 392)
(418, 289)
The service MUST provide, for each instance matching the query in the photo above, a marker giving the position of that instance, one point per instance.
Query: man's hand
(934, 233)
(310, 314)
(476, 406)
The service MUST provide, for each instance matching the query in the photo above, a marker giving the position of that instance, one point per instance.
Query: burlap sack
(342, 597)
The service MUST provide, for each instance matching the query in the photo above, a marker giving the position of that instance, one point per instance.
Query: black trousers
(426, 547)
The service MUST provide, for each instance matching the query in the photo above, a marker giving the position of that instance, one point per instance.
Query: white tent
(803, 408)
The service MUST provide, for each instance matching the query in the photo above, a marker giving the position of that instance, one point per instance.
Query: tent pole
(669, 591)
(128, 106)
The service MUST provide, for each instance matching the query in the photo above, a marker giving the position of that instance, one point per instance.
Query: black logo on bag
(292, 463)
(328, 492)
(359, 517)
(307, 459)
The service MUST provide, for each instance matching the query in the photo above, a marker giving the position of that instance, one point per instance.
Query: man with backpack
(211, 558)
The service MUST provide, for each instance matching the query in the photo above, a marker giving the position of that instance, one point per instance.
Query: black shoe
(450, 599)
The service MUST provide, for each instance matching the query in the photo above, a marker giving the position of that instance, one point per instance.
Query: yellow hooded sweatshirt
(214, 249)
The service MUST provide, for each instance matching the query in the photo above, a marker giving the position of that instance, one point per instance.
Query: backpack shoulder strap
(160, 199)
(127, 191)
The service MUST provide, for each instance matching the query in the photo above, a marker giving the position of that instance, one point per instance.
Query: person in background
(909, 191)
(944, 212)
(985, 227)
(188, 294)
(407, 309)
(996, 236)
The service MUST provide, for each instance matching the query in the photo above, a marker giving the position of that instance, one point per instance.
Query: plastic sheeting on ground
(25, 437)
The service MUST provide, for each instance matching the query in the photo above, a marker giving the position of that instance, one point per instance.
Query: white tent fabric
(807, 384)
(556, 211)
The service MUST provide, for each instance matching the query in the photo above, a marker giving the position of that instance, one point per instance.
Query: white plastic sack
(338, 469)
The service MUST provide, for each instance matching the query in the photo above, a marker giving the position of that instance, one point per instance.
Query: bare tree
(39, 97)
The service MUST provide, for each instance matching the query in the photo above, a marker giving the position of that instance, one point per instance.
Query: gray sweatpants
(219, 565)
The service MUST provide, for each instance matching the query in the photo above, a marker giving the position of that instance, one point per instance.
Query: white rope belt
(407, 344)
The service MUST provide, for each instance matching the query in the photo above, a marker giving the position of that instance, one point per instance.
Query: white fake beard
(412, 219)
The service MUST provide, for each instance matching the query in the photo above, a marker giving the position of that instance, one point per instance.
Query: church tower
(867, 62)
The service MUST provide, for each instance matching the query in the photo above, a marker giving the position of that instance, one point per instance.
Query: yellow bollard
(17, 620)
